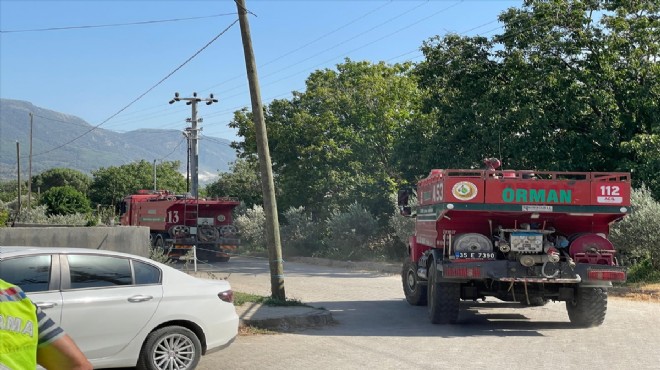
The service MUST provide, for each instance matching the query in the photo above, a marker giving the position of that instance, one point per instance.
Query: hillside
(52, 131)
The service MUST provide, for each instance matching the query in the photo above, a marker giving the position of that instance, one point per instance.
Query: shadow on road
(398, 318)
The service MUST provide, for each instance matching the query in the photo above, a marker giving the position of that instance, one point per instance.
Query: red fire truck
(519, 236)
(179, 222)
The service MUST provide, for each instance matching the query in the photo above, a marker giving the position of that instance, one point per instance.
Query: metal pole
(18, 175)
(155, 188)
(30, 166)
(265, 165)
(194, 158)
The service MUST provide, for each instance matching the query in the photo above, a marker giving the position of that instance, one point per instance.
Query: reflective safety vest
(19, 334)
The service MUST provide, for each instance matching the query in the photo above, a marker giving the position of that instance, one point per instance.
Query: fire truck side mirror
(403, 198)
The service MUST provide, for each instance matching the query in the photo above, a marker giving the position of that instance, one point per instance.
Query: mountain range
(61, 140)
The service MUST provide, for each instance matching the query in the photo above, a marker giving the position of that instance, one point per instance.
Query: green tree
(65, 200)
(9, 190)
(333, 144)
(61, 177)
(243, 182)
(110, 185)
(569, 85)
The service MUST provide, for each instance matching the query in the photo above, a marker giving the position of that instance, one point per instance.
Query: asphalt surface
(375, 328)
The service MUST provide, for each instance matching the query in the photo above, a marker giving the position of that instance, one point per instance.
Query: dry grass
(246, 330)
(638, 292)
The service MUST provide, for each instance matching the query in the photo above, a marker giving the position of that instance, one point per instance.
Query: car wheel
(171, 347)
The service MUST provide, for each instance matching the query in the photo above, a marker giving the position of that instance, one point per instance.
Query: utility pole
(194, 135)
(155, 189)
(265, 165)
(30, 166)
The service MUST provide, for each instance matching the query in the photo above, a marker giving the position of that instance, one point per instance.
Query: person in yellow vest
(28, 337)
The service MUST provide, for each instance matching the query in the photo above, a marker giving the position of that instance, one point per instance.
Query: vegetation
(110, 185)
(243, 298)
(637, 236)
(243, 182)
(64, 200)
(58, 177)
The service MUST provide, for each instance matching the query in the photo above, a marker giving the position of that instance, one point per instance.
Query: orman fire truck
(179, 222)
(519, 236)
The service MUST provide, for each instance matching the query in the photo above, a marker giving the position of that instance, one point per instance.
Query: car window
(146, 273)
(31, 273)
(89, 271)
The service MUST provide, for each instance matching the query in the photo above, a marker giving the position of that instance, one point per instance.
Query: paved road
(377, 329)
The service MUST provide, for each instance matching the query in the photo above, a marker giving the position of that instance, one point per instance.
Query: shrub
(65, 200)
(643, 271)
(252, 228)
(637, 237)
(301, 236)
(350, 234)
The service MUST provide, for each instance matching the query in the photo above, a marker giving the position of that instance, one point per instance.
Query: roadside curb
(282, 318)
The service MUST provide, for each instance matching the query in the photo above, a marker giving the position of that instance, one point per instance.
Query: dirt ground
(638, 292)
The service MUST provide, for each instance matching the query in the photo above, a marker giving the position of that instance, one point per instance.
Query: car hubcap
(174, 351)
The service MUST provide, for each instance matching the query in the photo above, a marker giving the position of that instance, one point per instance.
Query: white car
(124, 310)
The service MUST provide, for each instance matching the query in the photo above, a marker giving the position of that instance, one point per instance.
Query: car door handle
(45, 305)
(140, 298)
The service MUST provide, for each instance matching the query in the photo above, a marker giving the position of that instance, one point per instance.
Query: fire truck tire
(170, 347)
(588, 308)
(443, 299)
(414, 292)
(159, 242)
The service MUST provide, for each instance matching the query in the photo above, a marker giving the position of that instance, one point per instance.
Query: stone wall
(128, 239)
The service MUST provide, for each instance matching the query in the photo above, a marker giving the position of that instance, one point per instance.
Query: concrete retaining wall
(128, 239)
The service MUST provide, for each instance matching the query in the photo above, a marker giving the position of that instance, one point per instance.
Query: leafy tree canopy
(333, 144)
(61, 177)
(243, 182)
(65, 200)
(110, 185)
(569, 85)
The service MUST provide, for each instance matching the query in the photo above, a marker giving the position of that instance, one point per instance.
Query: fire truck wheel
(169, 348)
(588, 307)
(159, 242)
(415, 293)
(443, 299)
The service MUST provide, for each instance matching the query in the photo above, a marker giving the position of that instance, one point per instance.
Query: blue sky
(95, 72)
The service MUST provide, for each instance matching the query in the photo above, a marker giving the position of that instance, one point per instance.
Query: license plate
(475, 255)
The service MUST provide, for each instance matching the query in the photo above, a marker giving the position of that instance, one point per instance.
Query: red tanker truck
(518, 236)
(179, 222)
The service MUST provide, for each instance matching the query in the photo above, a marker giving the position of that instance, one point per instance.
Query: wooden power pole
(265, 166)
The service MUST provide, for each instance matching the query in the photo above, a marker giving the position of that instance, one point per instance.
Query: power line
(355, 20)
(146, 92)
(173, 150)
(343, 43)
(115, 24)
